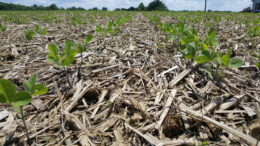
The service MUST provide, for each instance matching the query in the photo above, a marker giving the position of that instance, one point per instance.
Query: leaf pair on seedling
(30, 33)
(40, 30)
(33, 88)
(9, 94)
(81, 47)
(65, 57)
(112, 27)
(61, 58)
(219, 59)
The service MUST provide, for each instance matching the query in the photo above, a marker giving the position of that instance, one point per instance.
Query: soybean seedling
(112, 27)
(18, 99)
(252, 33)
(40, 31)
(62, 58)
(33, 88)
(101, 30)
(213, 58)
(2, 28)
(28, 34)
(82, 48)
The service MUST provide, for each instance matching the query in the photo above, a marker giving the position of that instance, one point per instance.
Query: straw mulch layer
(136, 89)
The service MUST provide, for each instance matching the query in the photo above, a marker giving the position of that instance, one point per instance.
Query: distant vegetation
(155, 5)
(16, 7)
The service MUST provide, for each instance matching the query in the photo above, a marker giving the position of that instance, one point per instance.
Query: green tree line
(155, 5)
(16, 7)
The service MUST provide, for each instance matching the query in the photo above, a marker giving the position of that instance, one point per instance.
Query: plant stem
(25, 126)
(79, 74)
(67, 74)
(217, 76)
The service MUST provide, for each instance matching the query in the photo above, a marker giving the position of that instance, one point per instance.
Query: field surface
(152, 78)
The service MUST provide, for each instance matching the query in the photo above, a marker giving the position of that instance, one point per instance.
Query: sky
(222, 5)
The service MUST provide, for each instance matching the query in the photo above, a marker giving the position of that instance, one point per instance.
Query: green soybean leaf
(88, 39)
(225, 58)
(44, 31)
(206, 53)
(39, 30)
(80, 48)
(53, 49)
(2, 28)
(68, 47)
(29, 34)
(52, 60)
(205, 46)
(21, 98)
(235, 63)
(30, 83)
(53, 57)
(189, 56)
(33, 88)
(100, 29)
(213, 55)
(39, 89)
(212, 39)
(258, 65)
(68, 60)
(7, 91)
(202, 59)
(2, 98)
(184, 41)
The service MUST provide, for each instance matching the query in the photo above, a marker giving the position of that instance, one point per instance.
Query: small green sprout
(82, 48)
(212, 38)
(219, 60)
(2, 28)
(112, 27)
(101, 30)
(62, 58)
(39, 30)
(33, 88)
(29, 34)
(253, 32)
(258, 65)
(8, 94)
(18, 99)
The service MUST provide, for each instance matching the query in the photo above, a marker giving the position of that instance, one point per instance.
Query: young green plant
(28, 34)
(18, 99)
(40, 31)
(2, 28)
(62, 58)
(82, 48)
(212, 58)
